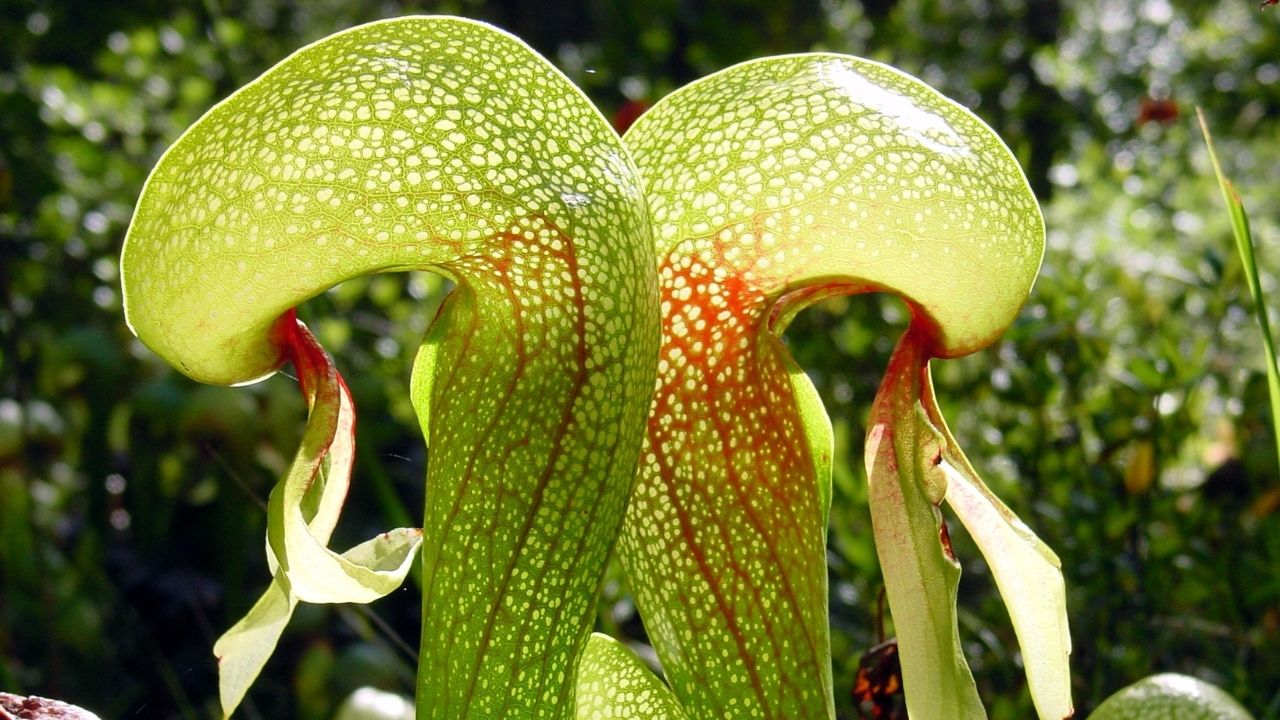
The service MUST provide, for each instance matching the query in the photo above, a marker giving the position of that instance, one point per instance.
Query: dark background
(1124, 416)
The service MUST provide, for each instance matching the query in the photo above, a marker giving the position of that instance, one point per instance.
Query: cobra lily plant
(588, 270)
(772, 185)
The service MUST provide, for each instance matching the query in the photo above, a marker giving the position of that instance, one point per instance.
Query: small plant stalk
(1244, 246)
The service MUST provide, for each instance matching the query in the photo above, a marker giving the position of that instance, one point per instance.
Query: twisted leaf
(303, 512)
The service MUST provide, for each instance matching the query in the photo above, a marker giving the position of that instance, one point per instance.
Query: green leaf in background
(441, 144)
(1244, 247)
(771, 185)
(613, 684)
(1172, 696)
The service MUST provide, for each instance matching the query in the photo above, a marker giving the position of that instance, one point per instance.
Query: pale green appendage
(770, 185)
(442, 144)
(921, 574)
(302, 513)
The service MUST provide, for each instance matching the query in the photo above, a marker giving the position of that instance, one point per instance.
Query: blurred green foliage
(1124, 416)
